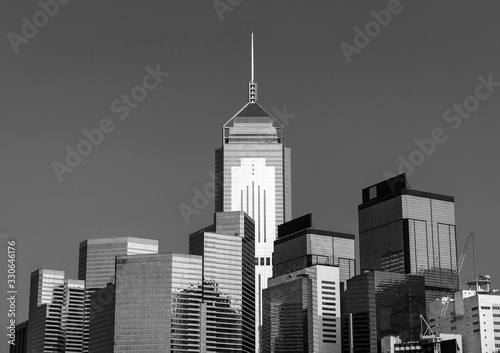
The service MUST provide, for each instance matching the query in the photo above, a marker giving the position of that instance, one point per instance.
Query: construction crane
(459, 267)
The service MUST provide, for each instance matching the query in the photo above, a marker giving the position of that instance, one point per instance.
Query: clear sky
(354, 121)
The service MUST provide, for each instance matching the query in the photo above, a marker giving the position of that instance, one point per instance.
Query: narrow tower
(253, 175)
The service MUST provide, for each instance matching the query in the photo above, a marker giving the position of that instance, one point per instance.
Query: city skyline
(356, 118)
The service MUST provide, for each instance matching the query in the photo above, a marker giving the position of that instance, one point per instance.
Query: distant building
(302, 311)
(21, 343)
(159, 304)
(102, 320)
(301, 308)
(443, 344)
(300, 245)
(408, 231)
(96, 265)
(228, 251)
(56, 313)
(378, 304)
(474, 314)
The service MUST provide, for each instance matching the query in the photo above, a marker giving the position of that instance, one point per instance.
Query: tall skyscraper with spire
(253, 175)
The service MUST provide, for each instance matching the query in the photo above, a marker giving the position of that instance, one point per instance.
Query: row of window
(264, 261)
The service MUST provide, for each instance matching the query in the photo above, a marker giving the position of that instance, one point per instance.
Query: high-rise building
(228, 252)
(377, 304)
(300, 244)
(252, 170)
(96, 265)
(21, 341)
(302, 311)
(102, 320)
(408, 231)
(56, 313)
(158, 305)
(474, 314)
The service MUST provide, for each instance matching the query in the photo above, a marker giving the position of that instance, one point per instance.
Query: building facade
(300, 245)
(253, 174)
(158, 305)
(21, 341)
(474, 314)
(228, 281)
(408, 231)
(102, 320)
(377, 304)
(56, 313)
(302, 311)
(96, 264)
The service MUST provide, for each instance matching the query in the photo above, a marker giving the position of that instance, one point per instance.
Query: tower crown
(252, 86)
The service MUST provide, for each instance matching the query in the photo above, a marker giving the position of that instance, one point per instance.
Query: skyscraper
(56, 313)
(300, 245)
(378, 304)
(253, 175)
(159, 304)
(228, 250)
(408, 231)
(96, 265)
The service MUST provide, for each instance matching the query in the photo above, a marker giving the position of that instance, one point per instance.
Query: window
(485, 308)
(475, 315)
(268, 261)
(475, 323)
(329, 341)
(496, 322)
(327, 303)
(328, 282)
(496, 315)
(262, 261)
(328, 298)
(256, 261)
(496, 330)
(496, 307)
(453, 328)
(474, 308)
(475, 331)
(497, 338)
(328, 293)
(327, 287)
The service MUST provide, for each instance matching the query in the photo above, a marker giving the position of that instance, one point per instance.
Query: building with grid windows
(252, 171)
(158, 304)
(474, 314)
(300, 244)
(408, 231)
(302, 311)
(377, 304)
(228, 251)
(56, 313)
(21, 342)
(96, 264)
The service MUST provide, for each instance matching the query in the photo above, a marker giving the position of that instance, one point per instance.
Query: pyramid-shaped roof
(252, 110)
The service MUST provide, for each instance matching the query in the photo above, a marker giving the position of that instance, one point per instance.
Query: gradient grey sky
(352, 121)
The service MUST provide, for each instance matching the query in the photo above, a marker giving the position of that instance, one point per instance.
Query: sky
(360, 100)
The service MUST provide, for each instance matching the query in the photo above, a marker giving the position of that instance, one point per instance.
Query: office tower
(56, 312)
(408, 231)
(252, 170)
(159, 304)
(228, 251)
(21, 341)
(377, 304)
(300, 245)
(96, 265)
(102, 320)
(474, 314)
(301, 311)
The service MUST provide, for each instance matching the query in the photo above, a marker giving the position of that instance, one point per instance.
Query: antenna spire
(252, 86)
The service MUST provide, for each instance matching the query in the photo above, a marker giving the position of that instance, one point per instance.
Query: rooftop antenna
(252, 86)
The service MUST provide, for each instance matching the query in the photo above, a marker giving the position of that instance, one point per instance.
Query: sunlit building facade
(158, 305)
(56, 313)
(253, 174)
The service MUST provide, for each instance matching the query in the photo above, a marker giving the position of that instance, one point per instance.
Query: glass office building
(377, 304)
(21, 343)
(253, 174)
(300, 245)
(408, 231)
(302, 311)
(96, 265)
(102, 320)
(228, 251)
(159, 304)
